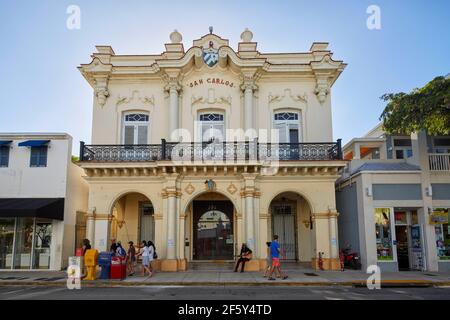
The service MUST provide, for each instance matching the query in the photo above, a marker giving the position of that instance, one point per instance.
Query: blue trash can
(104, 261)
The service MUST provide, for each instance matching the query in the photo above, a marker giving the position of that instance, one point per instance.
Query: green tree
(426, 108)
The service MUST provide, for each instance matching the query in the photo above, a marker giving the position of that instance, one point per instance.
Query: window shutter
(43, 157)
(218, 132)
(33, 157)
(294, 134)
(282, 131)
(206, 132)
(142, 134)
(129, 135)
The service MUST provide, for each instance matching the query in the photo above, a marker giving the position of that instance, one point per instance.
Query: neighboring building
(394, 200)
(41, 194)
(139, 191)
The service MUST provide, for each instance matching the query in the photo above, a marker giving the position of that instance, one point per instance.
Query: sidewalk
(229, 278)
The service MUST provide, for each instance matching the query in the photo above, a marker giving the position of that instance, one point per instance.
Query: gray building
(394, 200)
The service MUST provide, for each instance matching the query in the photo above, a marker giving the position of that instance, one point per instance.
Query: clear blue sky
(41, 89)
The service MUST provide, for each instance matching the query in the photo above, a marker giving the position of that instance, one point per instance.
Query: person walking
(145, 258)
(244, 256)
(131, 258)
(275, 252)
(268, 260)
(151, 256)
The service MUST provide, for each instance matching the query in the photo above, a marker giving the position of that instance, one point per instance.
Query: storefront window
(6, 242)
(383, 233)
(443, 235)
(24, 243)
(42, 241)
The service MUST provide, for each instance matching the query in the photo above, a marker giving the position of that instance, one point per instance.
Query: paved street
(220, 292)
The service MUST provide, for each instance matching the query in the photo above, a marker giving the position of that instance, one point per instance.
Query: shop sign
(439, 217)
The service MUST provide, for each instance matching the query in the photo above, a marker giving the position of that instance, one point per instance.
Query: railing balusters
(439, 161)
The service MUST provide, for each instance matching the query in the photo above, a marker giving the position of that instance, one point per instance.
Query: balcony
(215, 151)
(439, 161)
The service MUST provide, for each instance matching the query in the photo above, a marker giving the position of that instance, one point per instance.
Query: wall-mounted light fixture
(369, 191)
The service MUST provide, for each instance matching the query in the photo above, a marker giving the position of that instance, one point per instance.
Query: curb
(110, 284)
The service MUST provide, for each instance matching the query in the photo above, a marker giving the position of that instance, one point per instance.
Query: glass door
(6, 242)
(213, 230)
(42, 242)
(23, 243)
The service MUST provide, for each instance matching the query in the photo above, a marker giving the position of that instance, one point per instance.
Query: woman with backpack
(152, 255)
(145, 253)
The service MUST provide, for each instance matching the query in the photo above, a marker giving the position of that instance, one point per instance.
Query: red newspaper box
(116, 268)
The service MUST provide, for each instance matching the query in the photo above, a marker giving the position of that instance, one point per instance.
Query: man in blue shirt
(275, 252)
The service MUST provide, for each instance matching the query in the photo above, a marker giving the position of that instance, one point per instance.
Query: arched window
(212, 127)
(135, 128)
(288, 125)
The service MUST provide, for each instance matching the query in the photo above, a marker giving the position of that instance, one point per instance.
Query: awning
(50, 208)
(5, 142)
(34, 143)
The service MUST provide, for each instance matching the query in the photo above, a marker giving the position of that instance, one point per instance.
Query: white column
(90, 228)
(249, 221)
(248, 107)
(333, 237)
(420, 158)
(171, 227)
(173, 110)
(101, 234)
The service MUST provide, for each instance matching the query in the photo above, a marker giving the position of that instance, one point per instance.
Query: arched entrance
(132, 219)
(290, 219)
(212, 228)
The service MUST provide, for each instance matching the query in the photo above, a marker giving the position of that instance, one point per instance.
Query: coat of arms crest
(210, 55)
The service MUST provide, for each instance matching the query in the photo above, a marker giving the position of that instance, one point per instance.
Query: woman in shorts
(145, 253)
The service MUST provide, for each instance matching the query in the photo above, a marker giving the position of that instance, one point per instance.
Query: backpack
(122, 252)
(155, 255)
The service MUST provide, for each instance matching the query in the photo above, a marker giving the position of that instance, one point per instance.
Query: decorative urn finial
(176, 37)
(247, 35)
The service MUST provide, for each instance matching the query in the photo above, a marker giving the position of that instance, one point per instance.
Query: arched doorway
(132, 219)
(290, 219)
(212, 228)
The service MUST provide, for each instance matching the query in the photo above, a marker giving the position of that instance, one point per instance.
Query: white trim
(136, 124)
(299, 122)
(200, 123)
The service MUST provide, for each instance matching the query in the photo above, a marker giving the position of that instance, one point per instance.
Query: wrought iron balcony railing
(218, 151)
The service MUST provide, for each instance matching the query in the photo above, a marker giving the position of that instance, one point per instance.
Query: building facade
(41, 195)
(394, 199)
(205, 149)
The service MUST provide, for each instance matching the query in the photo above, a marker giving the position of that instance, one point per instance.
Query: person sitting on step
(244, 256)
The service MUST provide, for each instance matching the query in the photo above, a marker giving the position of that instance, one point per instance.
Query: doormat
(310, 274)
(429, 274)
